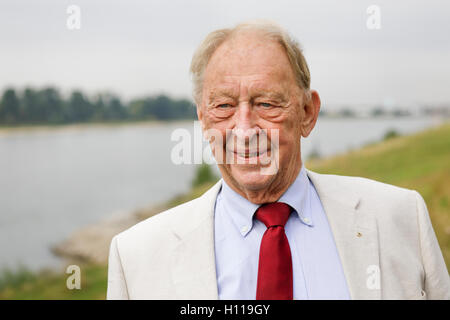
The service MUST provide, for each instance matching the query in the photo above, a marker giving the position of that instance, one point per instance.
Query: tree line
(48, 106)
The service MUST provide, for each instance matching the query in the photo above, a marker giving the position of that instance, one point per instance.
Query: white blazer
(383, 234)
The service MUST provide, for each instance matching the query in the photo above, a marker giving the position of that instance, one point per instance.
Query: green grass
(420, 162)
(50, 285)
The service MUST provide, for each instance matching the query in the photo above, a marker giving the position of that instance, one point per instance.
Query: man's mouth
(249, 154)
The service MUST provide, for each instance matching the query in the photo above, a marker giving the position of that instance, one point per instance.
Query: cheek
(288, 126)
(212, 120)
(215, 134)
(217, 128)
(287, 136)
(292, 127)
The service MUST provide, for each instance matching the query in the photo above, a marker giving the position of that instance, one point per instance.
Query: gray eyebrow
(269, 94)
(216, 94)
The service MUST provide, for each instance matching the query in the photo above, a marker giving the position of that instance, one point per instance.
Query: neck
(281, 182)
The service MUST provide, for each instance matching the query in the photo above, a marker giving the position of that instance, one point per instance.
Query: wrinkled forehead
(235, 90)
(248, 57)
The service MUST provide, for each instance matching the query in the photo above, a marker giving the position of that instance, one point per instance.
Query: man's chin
(251, 178)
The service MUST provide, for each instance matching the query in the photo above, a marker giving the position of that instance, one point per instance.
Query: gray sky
(137, 48)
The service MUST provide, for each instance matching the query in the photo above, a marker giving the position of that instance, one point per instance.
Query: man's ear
(311, 110)
(199, 112)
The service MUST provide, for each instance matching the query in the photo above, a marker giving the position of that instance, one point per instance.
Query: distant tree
(184, 109)
(401, 113)
(115, 110)
(99, 107)
(162, 108)
(47, 106)
(149, 108)
(30, 106)
(142, 109)
(377, 112)
(347, 113)
(135, 109)
(9, 107)
(79, 109)
(51, 105)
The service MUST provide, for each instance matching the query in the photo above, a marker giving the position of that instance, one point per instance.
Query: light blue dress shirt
(317, 270)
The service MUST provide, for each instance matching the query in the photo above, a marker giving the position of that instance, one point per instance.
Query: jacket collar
(193, 259)
(355, 233)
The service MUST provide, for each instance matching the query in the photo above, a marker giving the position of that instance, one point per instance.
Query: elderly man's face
(248, 86)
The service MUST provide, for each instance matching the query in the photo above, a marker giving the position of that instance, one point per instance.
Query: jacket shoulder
(366, 187)
(385, 201)
(159, 228)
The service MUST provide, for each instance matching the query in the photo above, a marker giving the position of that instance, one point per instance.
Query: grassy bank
(26, 285)
(420, 162)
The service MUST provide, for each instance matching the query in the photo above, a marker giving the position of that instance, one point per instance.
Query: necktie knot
(273, 214)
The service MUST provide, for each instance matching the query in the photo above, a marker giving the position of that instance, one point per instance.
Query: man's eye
(265, 104)
(224, 105)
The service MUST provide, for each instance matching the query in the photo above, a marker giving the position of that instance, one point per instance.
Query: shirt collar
(298, 197)
(241, 210)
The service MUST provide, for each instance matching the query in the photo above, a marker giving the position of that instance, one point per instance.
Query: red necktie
(275, 261)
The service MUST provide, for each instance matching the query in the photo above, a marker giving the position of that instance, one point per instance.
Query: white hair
(267, 29)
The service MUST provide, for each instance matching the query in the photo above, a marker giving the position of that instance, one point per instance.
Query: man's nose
(244, 117)
(245, 123)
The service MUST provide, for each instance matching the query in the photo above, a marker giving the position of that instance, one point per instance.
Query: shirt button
(244, 229)
(306, 220)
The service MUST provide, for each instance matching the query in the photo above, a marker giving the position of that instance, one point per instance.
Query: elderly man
(287, 233)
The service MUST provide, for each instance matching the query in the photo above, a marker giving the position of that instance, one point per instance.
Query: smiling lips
(247, 153)
(247, 149)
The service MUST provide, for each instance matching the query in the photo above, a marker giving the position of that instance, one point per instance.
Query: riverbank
(91, 244)
(5, 129)
(419, 161)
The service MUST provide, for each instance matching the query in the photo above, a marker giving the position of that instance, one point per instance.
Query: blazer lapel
(193, 260)
(355, 234)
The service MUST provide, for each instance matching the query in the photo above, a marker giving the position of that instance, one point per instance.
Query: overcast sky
(138, 48)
